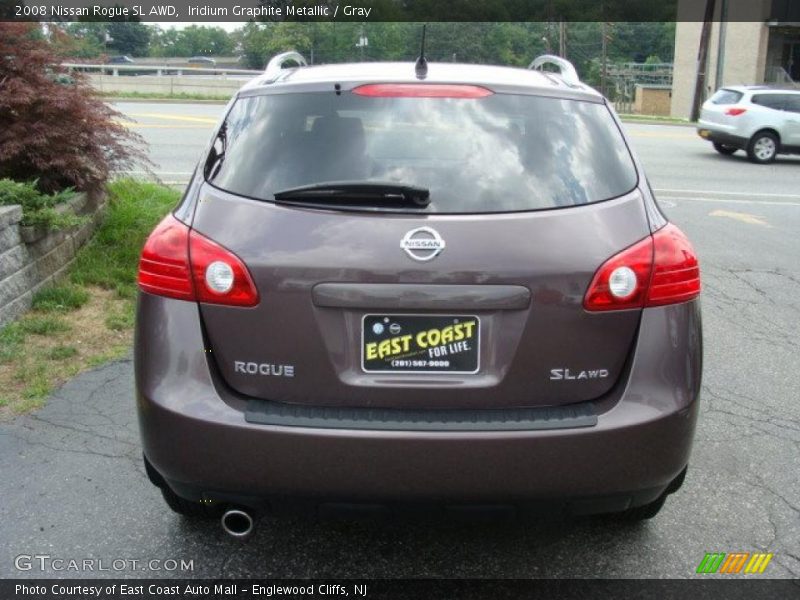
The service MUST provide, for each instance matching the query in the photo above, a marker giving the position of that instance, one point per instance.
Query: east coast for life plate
(393, 343)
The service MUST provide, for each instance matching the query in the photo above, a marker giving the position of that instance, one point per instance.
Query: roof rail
(568, 72)
(276, 62)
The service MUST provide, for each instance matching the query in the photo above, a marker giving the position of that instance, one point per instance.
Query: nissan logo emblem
(422, 243)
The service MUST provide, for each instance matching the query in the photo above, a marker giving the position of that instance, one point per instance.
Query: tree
(128, 37)
(191, 41)
(73, 45)
(53, 126)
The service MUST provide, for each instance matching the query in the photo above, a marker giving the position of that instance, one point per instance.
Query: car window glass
(774, 101)
(500, 153)
(724, 96)
(793, 103)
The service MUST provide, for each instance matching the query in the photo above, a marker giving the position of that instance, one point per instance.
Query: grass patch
(111, 257)
(60, 298)
(61, 352)
(11, 340)
(43, 325)
(88, 320)
(121, 320)
(655, 119)
(156, 96)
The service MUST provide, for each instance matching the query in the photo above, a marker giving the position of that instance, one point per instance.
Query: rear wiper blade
(372, 193)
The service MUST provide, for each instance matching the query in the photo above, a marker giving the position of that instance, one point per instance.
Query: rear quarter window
(726, 97)
(500, 153)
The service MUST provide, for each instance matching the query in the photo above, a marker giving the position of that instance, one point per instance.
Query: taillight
(181, 263)
(660, 269)
(636, 260)
(735, 112)
(220, 277)
(164, 264)
(421, 90)
(676, 273)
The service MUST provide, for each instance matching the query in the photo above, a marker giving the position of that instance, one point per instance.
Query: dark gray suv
(395, 285)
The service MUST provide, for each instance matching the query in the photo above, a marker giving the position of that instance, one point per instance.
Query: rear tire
(763, 147)
(190, 508)
(723, 149)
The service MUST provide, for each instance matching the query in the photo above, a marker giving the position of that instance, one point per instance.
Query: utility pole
(702, 59)
(604, 63)
(363, 42)
(562, 39)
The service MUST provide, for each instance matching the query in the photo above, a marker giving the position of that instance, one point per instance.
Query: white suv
(762, 120)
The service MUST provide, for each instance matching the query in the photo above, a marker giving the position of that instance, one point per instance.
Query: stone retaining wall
(31, 257)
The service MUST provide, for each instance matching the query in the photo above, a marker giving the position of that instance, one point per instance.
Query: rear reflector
(660, 269)
(421, 90)
(735, 112)
(178, 262)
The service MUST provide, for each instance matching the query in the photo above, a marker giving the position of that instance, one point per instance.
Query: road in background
(74, 486)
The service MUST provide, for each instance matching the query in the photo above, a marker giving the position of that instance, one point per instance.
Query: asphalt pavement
(73, 486)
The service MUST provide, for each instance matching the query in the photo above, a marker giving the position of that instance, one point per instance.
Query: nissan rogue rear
(387, 287)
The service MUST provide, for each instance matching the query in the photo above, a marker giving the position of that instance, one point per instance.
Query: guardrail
(158, 70)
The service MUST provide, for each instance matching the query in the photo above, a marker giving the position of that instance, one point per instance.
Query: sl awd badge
(422, 243)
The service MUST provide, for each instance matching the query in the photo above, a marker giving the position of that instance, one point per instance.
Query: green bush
(37, 208)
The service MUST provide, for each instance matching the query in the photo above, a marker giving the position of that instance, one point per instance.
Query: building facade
(752, 41)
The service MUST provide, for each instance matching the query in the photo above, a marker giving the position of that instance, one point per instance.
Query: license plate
(420, 343)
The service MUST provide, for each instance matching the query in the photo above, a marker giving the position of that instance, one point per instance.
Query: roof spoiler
(566, 70)
(277, 62)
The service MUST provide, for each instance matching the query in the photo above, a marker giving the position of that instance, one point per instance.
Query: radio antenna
(421, 66)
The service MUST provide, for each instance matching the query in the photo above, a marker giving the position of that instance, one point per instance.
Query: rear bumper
(715, 133)
(195, 435)
(722, 137)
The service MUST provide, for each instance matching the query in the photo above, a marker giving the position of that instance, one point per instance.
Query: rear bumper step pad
(265, 412)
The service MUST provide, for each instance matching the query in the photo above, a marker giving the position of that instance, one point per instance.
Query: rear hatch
(715, 112)
(474, 300)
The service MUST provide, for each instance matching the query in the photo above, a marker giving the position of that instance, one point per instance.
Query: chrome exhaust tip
(237, 523)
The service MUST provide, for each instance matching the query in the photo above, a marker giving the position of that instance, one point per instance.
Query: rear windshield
(726, 97)
(498, 153)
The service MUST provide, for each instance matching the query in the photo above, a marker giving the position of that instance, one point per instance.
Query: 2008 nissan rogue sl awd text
(387, 284)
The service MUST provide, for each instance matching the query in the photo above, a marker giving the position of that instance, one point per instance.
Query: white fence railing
(159, 70)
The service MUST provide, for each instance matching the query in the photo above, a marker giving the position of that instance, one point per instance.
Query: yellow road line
(159, 126)
(740, 216)
(175, 117)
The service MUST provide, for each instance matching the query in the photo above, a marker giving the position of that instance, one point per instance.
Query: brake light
(421, 90)
(676, 272)
(660, 269)
(164, 264)
(735, 112)
(178, 262)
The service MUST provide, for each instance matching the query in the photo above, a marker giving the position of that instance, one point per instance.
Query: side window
(793, 103)
(774, 101)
